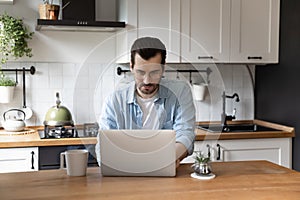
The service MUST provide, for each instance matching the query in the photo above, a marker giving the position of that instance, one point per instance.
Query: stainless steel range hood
(77, 25)
(6, 2)
(88, 15)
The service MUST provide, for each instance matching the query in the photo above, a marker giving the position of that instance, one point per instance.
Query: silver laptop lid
(137, 152)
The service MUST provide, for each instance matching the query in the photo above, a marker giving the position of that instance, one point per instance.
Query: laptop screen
(137, 152)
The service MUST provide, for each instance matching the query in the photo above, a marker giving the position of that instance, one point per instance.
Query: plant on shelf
(48, 10)
(14, 38)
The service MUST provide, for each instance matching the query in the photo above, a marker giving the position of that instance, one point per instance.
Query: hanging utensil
(17, 76)
(28, 112)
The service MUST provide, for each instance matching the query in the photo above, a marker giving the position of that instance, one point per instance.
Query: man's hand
(181, 153)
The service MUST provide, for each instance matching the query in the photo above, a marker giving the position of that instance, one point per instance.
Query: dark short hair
(148, 47)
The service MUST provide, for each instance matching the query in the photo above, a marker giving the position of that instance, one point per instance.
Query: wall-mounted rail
(207, 71)
(31, 70)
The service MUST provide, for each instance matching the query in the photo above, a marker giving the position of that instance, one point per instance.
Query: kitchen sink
(234, 128)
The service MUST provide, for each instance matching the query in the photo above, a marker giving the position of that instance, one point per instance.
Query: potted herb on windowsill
(13, 43)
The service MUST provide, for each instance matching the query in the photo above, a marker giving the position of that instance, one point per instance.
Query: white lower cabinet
(18, 159)
(276, 150)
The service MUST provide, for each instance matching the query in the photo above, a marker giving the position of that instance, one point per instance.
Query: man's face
(147, 74)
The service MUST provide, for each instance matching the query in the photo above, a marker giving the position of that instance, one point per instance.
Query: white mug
(76, 161)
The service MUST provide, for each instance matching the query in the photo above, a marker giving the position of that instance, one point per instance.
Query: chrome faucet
(224, 117)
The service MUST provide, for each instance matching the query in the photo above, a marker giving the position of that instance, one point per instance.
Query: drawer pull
(208, 150)
(205, 57)
(254, 58)
(219, 152)
(32, 160)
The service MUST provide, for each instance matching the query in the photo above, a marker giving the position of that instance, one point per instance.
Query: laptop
(137, 152)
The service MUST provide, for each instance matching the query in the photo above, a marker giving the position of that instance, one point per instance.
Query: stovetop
(56, 132)
(63, 132)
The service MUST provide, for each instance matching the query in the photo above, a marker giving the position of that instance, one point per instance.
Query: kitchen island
(234, 180)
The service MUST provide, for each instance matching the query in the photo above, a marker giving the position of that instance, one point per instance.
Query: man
(150, 102)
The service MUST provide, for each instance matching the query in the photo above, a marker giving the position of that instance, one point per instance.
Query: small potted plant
(13, 43)
(7, 86)
(202, 164)
(48, 10)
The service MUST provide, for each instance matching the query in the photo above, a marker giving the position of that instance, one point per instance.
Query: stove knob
(64, 130)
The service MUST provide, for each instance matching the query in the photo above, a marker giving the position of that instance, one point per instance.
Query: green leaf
(14, 38)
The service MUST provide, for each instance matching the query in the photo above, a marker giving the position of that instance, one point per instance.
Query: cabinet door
(155, 18)
(276, 150)
(18, 159)
(254, 31)
(205, 30)
(161, 19)
(125, 38)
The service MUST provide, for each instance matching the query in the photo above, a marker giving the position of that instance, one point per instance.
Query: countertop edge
(35, 141)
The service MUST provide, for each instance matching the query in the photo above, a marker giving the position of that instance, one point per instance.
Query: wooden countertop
(33, 139)
(234, 180)
(283, 131)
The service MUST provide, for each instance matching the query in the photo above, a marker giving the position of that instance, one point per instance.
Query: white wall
(80, 65)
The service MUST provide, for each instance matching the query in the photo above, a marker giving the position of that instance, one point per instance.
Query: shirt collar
(163, 92)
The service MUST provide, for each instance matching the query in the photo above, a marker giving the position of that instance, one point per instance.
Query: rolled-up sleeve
(184, 123)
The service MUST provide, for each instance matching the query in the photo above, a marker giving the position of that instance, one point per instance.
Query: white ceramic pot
(199, 91)
(6, 93)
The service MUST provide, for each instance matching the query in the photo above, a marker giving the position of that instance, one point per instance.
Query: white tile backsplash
(55, 69)
(83, 88)
(69, 69)
(55, 82)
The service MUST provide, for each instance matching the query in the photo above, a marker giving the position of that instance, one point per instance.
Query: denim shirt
(174, 105)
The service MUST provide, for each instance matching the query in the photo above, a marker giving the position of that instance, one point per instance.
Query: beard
(148, 89)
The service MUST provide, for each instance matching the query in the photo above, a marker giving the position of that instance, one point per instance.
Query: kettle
(13, 124)
(58, 115)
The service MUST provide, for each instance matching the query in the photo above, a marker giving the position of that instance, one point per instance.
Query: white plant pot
(199, 91)
(6, 94)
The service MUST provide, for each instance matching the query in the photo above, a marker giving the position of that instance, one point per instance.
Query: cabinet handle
(219, 152)
(32, 160)
(208, 150)
(205, 57)
(254, 57)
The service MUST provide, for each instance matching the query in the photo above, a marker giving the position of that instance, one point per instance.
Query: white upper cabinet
(124, 39)
(161, 19)
(254, 31)
(230, 31)
(155, 18)
(205, 30)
